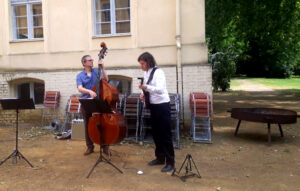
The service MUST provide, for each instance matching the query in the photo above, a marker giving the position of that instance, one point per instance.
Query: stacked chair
(175, 119)
(201, 113)
(131, 113)
(73, 111)
(51, 103)
(145, 127)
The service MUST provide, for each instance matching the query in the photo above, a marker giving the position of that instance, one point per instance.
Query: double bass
(106, 128)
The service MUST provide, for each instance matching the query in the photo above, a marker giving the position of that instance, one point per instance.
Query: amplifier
(78, 129)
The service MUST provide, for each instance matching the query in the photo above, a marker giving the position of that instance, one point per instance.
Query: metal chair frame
(201, 112)
(131, 113)
(73, 111)
(175, 121)
(51, 103)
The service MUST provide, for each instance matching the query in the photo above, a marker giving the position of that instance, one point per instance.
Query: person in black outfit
(155, 91)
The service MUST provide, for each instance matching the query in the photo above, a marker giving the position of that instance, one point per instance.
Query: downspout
(179, 74)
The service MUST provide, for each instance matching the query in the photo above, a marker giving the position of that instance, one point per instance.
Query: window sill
(26, 40)
(111, 35)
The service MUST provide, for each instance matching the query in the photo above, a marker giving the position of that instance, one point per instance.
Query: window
(112, 17)
(27, 19)
(122, 83)
(34, 90)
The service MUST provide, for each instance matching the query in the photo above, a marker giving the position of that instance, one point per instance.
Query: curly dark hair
(148, 58)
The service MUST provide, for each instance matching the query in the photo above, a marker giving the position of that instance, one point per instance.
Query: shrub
(223, 68)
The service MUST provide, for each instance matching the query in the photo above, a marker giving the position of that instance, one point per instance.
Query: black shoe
(89, 151)
(167, 168)
(155, 162)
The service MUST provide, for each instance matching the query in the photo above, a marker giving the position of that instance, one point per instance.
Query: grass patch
(234, 83)
(290, 86)
(290, 83)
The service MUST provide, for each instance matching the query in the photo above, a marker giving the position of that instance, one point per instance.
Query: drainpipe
(179, 75)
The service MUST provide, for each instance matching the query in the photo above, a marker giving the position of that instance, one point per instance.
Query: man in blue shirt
(86, 80)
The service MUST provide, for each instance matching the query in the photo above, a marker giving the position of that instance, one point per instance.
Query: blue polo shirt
(86, 81)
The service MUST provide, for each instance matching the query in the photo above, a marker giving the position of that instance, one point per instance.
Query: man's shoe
(155, 162)
(167, 168)
(88, 151)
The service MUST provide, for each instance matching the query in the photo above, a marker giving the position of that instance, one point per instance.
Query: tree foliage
(265, 34)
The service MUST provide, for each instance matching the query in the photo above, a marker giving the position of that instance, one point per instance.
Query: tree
(264, 34)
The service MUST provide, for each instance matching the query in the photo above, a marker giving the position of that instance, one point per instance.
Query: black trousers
(161, 131)
(86, 116)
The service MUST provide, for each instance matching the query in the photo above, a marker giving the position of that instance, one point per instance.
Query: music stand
(16, 104)
(98, 106)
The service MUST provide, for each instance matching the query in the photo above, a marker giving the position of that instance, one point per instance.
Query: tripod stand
(11, 104)
(94, 106)
(101, 157)
(188, 168)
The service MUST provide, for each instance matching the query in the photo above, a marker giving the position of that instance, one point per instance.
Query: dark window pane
(38, 33)
(102, 4)
(24, 91)
(20, 10)
(103, 16)
(39, 90)
(123, 27)
(37, 21)
(36, 9)
(21, 22)
(129, 87)
(122, 3)
(122, 14)
(105, 28)
(22, 34)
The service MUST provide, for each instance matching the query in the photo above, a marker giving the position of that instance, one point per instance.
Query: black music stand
(98, 106)
(16, 104)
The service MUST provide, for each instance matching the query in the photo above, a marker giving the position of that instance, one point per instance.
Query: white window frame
(112, 20)
(29, 16)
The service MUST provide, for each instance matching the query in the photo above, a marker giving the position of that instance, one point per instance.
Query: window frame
(122, 79)
(31, 91)
(37, 96)
(112, 20)
(29, 16)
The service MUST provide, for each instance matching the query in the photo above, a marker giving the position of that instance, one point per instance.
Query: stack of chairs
(73, 111)
(131, 113)
(145, 135)
(51, 103)
(201, 113)
(145, 129)
(175, 119)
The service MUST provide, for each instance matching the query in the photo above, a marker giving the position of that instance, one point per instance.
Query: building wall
(56, 59)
